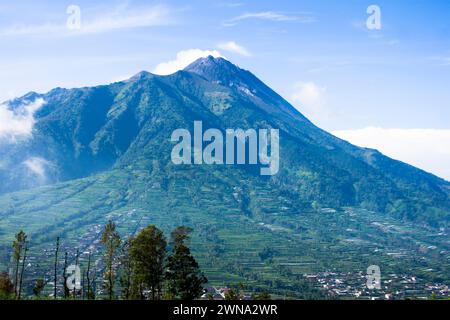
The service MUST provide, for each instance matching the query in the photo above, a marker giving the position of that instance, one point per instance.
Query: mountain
(79, 132)
(104, 151)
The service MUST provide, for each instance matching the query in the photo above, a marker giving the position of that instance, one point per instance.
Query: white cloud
(271, 16)
(232, 46)
(183, 59)
(227, 4)
(309, 94)
(18, 122)
(310, 99)
(428, 149)
(119, 18)
(37, 166)
(268, 15)
(144, 17)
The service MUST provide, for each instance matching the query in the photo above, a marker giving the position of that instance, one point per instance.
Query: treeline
(145, 266)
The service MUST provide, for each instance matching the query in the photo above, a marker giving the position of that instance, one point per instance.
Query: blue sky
(360, 84)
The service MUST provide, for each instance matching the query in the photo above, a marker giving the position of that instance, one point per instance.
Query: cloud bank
(427, 149)
(183, 59)
(18, 123)
(233, 47)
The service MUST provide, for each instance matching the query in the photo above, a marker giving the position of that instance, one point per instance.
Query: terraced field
(242, 234)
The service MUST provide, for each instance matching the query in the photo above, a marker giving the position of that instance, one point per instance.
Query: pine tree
(18, 246)
(185, 280)
(126, 272)
(147, 254)
(111, 241)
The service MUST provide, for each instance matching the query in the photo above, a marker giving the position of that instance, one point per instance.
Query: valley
(292, 254)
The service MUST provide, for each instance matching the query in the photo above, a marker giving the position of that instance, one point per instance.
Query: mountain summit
(221, 71)
(215, 69)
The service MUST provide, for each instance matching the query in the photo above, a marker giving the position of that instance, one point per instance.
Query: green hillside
(235, 222)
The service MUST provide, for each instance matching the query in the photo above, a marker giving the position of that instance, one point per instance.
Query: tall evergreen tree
(111, 242)
(185, 280)
(147, 254)
(18, 246)
(126, 272)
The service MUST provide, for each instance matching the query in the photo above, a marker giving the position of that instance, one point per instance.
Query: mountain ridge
(88, 130)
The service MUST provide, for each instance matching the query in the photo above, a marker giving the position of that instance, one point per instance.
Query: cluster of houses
(394, 286)
(213, 293)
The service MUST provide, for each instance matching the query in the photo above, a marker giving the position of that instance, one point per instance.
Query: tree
(23, 269)
(231, 294)
(7, 291)
(179, 235)
(18, 245)
(184, 275)
(261, 296)
(266, 254)
(126, 271)
(56, 267)
(185, 280)
(38, 287)
(147, 253)
(111, 241)
(90, 293)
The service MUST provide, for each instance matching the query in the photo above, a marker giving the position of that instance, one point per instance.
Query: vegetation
(262, 296)
(231, 294)
(111, 241)
(144, 266)
(148, 254)
(7, 291)
(18, 246)
(38, 287)
(185, 280)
